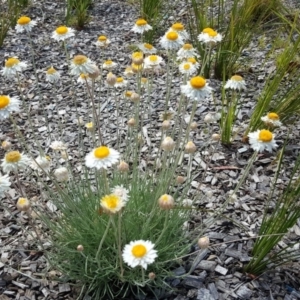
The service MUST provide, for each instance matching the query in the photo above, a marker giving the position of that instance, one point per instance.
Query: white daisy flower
(271, 119)
(179, 28)
(187, 68)
(193, 61)
(121, 82)
(109, 65)
(236, 82)
(81, 64)
(153, 61)
(84, 79)
(171, 41)
(8, 105)
(120, 191)
(112, 203)
(41, 163)
(52, 75)
(186, 51)
(12, 66)
(14, 161)
(147, 48)
(4, 184)
(58, 146)
(102, 41)
(25, 24)
(209, 36)
(61, 174)
(128, 72)
(62, 33)
(141, 26)
(196, 89)
(102, 157)
(262, 140)
(139, 253)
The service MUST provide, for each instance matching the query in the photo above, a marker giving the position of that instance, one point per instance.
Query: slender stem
(103, 238)
(120, 244)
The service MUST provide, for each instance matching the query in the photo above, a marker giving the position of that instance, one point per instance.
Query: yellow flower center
(153, 58)
(148, 46)
(128, 94)
(24, 20)
(102, 38)
(237, 78)
(4, 101)
(187, 47)
(108, 62)
(212, 33)
(12, 156)
(172, 36)
(198, 82)
(265, 136)
(138, 251)
(101, 152)
(186, 66)
(192, 60)
(80, 59)
(51, 71)
(120, 79)
(141, 22)
(111, 201)
(22, 201)
(207, 30)
(84, 76)
(61, 30)
(11, 62)
(178, 26)
(164, 197)
(273, 116)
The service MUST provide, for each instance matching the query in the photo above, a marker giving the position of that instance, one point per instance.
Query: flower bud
(166, 125)
(151, 276)
(180, 179)
(89, 126)
(190, 147)
(137, 58)
(168, 144)
(6, 145)
(111, 79)
(166, 202)
(135, 97)
(131, 122)
(203, 242)
(194, 125)
(209, 118)
(23, 204)
(64, 154)
(95, 74)
(215, 137)
(80, 248)
(123, 166)
(61, 174)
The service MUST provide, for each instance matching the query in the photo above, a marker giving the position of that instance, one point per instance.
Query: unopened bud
(80, 248)
(111, 79)
(64, 154)
(203, 242)
(131, 122)
(166, 202)
(215, 137)
(23, 204)
(190, 147)
(123, 166)
(135, 97)
(165, 125)
(151, 276)
(137, 58)
(168, 144)
(89, 126)
(6, 145)
(194, 125)
(95, 74)
(180, 179)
